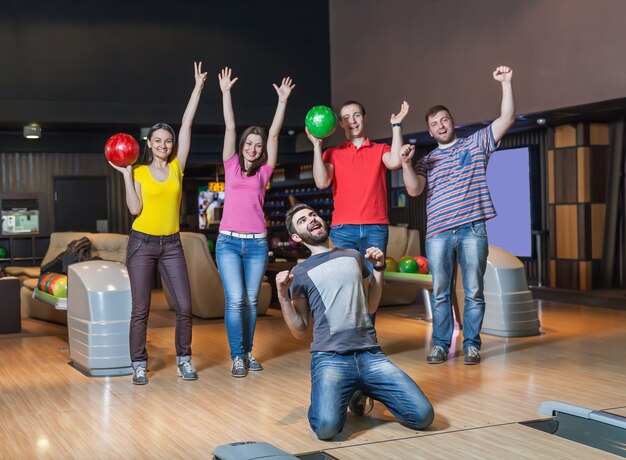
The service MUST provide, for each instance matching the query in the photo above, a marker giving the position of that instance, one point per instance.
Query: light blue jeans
(242, 264)
(335, 377)
(360, 237)
(468, 245)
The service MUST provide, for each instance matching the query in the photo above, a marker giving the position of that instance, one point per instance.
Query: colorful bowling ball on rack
(422, 263)
(408, 265)
(3, 252)
(392, 265)
(122, 150)
(321, 121)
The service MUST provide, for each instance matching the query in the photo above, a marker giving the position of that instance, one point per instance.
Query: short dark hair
(434, 110)
(146, 156)
(351, 103)
(291, 228)
(256, 164)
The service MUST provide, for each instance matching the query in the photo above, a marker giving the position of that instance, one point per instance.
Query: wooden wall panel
(566, 232)
(598, 134)
(584, 231)
(598, 172)
(567, 274)
(597, 230)
(584, 174)
(565, 176)
(584, 273)
(553, 282)
(564, 136)
(552, 233)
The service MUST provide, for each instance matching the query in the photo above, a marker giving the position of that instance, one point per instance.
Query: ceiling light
(541, 121)
(32, 131)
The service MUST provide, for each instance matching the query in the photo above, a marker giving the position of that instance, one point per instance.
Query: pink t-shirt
(244, 197)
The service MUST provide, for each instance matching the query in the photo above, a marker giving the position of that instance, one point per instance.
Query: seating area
(207, 292)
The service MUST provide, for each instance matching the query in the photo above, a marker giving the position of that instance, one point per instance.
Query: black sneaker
(187, 371)
(472, 356)
(239, 368)
(437, 355)
(251, 363)
(140, 376)
(360, 404)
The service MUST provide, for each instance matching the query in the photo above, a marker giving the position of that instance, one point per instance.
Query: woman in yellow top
(153, 193)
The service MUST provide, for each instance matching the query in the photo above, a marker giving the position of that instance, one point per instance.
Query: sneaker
(251, 363)
(437, 355)
(239, 368)
(360, 404)
(187, 371)
(140, 376)
(472, 356)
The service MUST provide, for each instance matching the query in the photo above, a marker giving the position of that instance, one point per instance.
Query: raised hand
(406, 153)
(123, 169)
(404, 109)
(226, 82)
(503, 74)
(285, 88)
(283, 282)
(314, 140)
(375, 256)
(200, 76)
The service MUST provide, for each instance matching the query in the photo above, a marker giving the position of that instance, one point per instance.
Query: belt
(246, 236)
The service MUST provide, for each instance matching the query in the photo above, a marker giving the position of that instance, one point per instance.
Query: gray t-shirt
(332, 283)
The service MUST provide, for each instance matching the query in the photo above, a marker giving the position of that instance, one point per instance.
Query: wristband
(380, 268)
(399, 125)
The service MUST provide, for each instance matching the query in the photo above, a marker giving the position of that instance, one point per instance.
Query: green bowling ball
(59, 289)
(211, 245)
(408, 265)
(321, 121)
(3, 252)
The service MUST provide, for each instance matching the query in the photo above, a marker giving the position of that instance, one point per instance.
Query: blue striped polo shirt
(457, 182)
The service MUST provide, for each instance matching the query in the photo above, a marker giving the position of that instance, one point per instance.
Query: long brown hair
(262, 159)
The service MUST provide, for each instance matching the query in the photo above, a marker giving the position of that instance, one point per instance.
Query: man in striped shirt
(457, 205)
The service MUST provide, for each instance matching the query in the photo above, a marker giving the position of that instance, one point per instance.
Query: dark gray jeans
(144, 253)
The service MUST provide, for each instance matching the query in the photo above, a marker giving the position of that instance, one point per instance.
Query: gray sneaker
(251, 363)
(187, 371)
(472, 356)
(239, 368)
(437, 355)
(360, 404)
(140, 376)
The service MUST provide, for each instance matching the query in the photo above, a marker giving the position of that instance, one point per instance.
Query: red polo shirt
(359, 183)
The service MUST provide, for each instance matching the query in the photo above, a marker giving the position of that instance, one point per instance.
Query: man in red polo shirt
(357, 171)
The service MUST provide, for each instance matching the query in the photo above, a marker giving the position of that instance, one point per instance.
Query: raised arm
(322, 172)
(414, 183)
(296, 312)
(392, 158)
(501, 125)
(377, 258)
(184, 136)
(230, 133)
(272, 139)
(133, 189)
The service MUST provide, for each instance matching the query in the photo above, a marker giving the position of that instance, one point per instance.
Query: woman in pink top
(241, 249)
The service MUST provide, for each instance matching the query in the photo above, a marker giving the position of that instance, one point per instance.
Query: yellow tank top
(161, 201)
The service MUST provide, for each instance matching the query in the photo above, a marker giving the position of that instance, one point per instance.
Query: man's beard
(314, 240)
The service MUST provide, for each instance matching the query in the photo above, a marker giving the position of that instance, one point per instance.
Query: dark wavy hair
(262, 159)
(146, 156)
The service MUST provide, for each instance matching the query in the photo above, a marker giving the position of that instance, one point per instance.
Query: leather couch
(107, 246)
(402, 242)
(207, 291)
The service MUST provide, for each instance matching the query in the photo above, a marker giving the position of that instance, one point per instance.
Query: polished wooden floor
(50, 410)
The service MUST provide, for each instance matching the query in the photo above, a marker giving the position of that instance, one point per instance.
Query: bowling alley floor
(50, 410)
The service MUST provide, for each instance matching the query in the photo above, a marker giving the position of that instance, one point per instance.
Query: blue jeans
(242, 264)
(468, 245)
(335, 377)
(360, 237)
